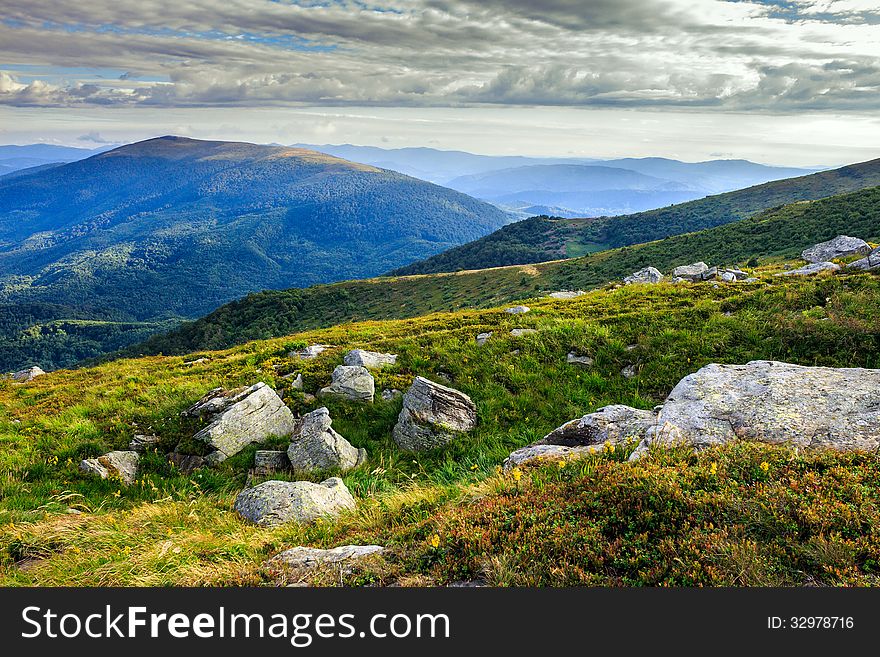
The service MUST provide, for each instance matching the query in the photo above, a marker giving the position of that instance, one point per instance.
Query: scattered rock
(305, 558)
(141, 442)
(118, 464)
(316, 446)
(351, 382)
(566, 294)
(432, 416)
(519, 332)
(628, 372)
(773, 402)
(691, 273)
(29, 374)
(751, 279)
(728, 277)
(273, 503)
(238, 418)
(267, 461)
(369, 359)
(312, 351)
(297, 383)
(197, 361)
(872, 261)
(483, 338)
(186, 463)
(578, 360)
(393, 393)
(616, 424)
(517, 310)
(840, 247)
(647, 275)
(738, 274)
(809, 270)
(537, 453)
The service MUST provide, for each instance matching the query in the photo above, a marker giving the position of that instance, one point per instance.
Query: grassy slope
(782, 232)
(542, 238)
(799, 519)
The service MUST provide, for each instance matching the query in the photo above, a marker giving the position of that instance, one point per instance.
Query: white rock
(119, 464)
(580, 361)
(29, 374)
(274, 503)
(520, 332)
(369, 359)
(566, 294)
(312, 351)
(810, 270)
(839, 247)
(517, 310)
(482, 338)
(432, 416)
(317, 446)
(303, 558)
(351, 382)
(646, 275)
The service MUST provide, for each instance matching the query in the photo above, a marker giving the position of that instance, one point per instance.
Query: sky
(792, 82)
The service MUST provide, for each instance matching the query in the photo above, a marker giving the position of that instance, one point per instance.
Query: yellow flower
(517, 474)
(434, 541)
(560, 464)
(474, 466)
(608, 445)
(713, 469)
(765, 466)
(117, 493)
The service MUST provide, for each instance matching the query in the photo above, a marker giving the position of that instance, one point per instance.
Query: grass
(174, 529)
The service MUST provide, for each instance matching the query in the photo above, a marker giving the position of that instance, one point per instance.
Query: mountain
(544, 238)
(171, 228)
(16, 158)
(781, 232)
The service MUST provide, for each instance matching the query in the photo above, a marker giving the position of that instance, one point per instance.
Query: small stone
(566, 294)
(578, 360)
(482, 338)
(872, 261)
(305, 558)
(517, 310)
(119, 464)
(810, 270)
(310, 352)
(518, 333)
(141, 442)
(274, 503)
(628, 372)
(648, 275)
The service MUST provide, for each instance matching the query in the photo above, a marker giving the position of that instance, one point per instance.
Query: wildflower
(434, 541)
(713, 469)
(765, 466)
(474, 466)
(517, 474)
(117, 493)
(608, 446)
(560, 464)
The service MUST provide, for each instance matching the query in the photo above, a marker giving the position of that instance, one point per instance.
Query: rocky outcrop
(143, 443)
(316, 446)
(773, 402)
(483, 338)
(648, 275)
(274, 503)
(566, 294)
(119, 465)
(432, 416)
(370, 359)
(872, 261)
(240, 417)
(306, 558)
(810, 270)
(841, 246)
(517, 310)
(695, 272)
(310, 352)
(351, 382)
(578, 360)
(29, 374)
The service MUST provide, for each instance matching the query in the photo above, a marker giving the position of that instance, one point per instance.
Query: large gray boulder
(316, 446)
(840, 247)
(613, 424)
(351, 382)
(122, 465)
(238, 418)
(811, 270)
(274, 503)
(872, 261)
(773, 402)
(646, 275)
(432, 416)
(370, 359)
(307, 558)
(29, 374)
(694, 272)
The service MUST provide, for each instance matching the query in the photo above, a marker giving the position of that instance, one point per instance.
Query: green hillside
(782, 232)
(172, 228)
(543, 238)
(738, 515)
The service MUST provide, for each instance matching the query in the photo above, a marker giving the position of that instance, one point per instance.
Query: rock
(369, 359)
(728, 277)
(141, 443)
(752, 279)
(197, 361)
(297, 383)
(518, 333)
(482, 338)
(616, 424)
(432, 416)
(566, 294)
(773, 402)
(517, 310)
(303, 558)
(709, 274)
(628, 372)
(267, 461)
(312, 351)
(351, 382)
(240, 417)
(274, 503)
(872, 261)
(646, 275)
(316, 446)
(186, 463)
(692, 272)
(29, 374)
(393, 393)
(118, 464)
(810, 270)
(840, 247)
(578, 360)
(738, 274)
(534, 454)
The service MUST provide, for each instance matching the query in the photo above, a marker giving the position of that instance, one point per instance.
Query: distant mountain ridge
(174, 227)
(545, 238)
(17, 158)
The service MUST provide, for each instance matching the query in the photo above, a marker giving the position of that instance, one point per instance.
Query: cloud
(95, 138)
(760, 55)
